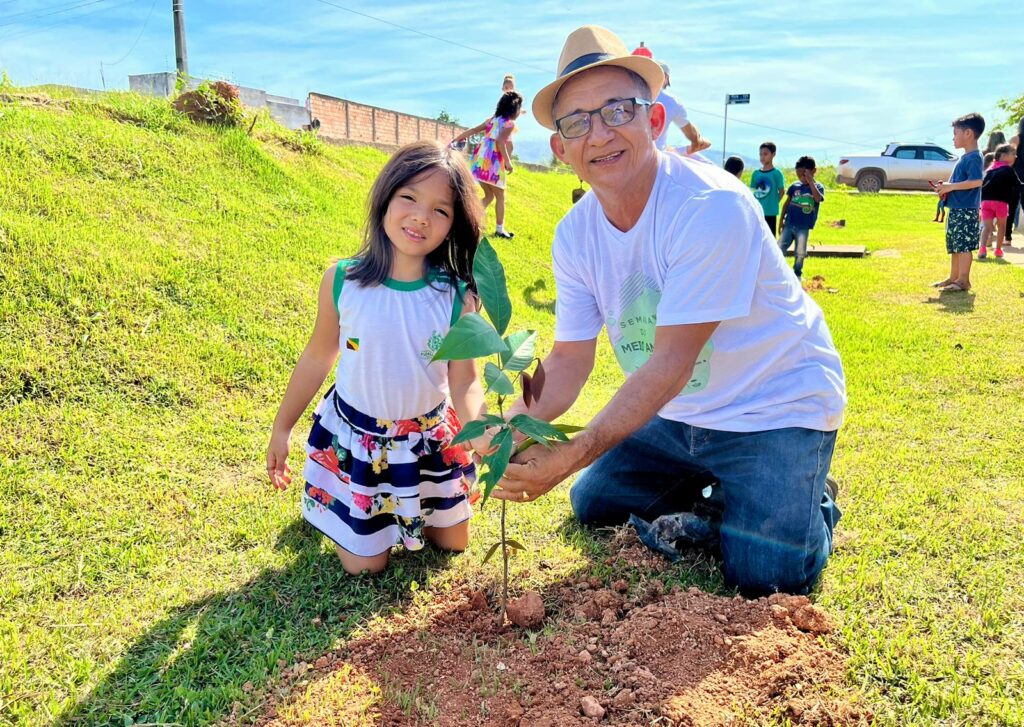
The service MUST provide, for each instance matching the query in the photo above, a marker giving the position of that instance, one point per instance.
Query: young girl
(492, 160)
(380, 468)
(999, 188)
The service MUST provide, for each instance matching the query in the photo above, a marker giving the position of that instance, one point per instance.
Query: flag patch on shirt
(352, 344)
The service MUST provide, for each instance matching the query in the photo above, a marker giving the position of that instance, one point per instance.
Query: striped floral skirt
(374, 483)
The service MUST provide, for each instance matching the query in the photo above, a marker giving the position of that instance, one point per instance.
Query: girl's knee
(357, 565)
(454, 539)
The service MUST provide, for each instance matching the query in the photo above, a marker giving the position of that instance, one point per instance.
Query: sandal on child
(953, 288)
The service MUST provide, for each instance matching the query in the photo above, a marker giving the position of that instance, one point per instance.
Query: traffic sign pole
(731, 98)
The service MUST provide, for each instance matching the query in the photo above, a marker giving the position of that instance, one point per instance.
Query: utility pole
(180, 51)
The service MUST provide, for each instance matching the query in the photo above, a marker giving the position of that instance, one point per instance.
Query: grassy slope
(157, 282)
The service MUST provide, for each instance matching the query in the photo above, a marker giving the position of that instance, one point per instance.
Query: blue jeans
(799, 235)
(777, 520)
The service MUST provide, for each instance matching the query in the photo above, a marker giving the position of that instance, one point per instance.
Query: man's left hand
(535, 471)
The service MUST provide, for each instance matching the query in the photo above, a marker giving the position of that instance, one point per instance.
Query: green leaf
(537, 429)
(568, 428)
(519, 353)
(514, 544)
(493, 420)
(490, 553)
(490, 284)
(471, 430)
(470, 337)
(497, 462)
(497, 381)
(525, 445)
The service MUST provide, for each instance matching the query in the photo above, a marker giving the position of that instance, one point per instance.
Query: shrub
(211, 103)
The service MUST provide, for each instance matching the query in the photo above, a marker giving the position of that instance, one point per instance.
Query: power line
(784, 131)
(65, 21)
(137, 38)
(434, 37)
(545, 70)
(45, 15)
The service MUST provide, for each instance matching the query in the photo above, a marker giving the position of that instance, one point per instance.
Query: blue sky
(859, 74)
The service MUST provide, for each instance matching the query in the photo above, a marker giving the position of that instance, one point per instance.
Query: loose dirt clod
(591, 707)
(526, 611)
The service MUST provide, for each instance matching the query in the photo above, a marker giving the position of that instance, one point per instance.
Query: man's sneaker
(982, 252)
(504, 233)
(999, 252)
(831, 488)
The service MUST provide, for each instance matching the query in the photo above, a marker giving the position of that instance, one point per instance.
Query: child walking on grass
(492, 160)
(800, 212)
(963, 199)
(380, 468)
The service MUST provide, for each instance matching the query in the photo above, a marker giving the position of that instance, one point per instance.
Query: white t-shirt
(387, 336)
(675, 113)
(701, 252)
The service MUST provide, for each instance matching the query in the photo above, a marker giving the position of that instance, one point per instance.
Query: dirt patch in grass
(609, 653)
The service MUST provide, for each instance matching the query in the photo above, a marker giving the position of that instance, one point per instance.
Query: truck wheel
(869, 182)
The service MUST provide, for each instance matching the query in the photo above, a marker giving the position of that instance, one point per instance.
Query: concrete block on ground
(833, 251)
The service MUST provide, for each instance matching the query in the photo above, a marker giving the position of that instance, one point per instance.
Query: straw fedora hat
(589, 47)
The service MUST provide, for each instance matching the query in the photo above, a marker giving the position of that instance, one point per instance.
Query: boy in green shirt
(768, 185)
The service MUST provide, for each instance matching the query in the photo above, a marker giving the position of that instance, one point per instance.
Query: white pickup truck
(901, 166)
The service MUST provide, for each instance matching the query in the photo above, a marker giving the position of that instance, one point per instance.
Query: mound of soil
(619, 655)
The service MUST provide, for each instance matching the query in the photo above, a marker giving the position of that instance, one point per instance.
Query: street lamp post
(730, 99)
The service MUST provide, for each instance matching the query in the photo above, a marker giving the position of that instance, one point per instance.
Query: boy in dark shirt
(963, 199)
(800, 212)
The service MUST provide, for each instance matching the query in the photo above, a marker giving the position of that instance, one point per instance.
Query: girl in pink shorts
(998, 188)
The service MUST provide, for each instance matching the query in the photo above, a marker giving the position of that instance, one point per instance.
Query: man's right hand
(699, 145)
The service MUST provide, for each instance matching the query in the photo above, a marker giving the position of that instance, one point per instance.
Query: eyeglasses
(612, 114)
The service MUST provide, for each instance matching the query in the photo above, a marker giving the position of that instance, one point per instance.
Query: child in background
(987, 161)
(1018, 167)
(380, 467)
(734, 165)
(963, 192)
(508, 83)
(800, 212)
(940, 209)
(492, 159)
(768, 185)
(999, 187)
(995, 140)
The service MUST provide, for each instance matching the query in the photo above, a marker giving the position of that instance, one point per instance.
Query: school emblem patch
(352, 344)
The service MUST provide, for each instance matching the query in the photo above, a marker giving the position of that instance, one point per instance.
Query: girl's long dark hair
(509, 105)
(454, 256)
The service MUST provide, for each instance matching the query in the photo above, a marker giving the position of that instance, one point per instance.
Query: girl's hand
(508, 167)
(481, 446)
(277, 460)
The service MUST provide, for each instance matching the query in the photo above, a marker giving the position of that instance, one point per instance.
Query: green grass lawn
(157, 282)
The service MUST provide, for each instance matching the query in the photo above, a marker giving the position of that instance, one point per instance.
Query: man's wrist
(581, 450)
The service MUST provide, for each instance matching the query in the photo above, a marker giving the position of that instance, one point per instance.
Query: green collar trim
(405, 284)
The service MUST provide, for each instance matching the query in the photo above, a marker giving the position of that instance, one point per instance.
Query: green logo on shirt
(433, 344)
(632, 333)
